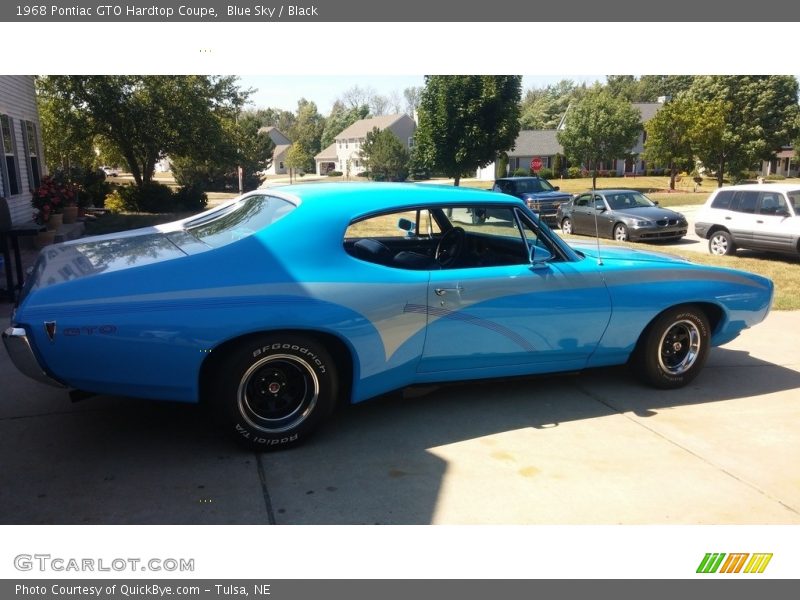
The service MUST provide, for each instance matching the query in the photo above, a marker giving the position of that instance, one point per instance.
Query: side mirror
(655, 202)
(599, 207)
(540, 256)
(557, 188)
(406, 225)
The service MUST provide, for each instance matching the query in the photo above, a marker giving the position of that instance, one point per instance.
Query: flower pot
(44, 238)
(70, 214)
(55, 221)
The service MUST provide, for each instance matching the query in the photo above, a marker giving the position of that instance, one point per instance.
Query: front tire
(566, 226)
(674, 348)
(721, 243)
(273, 391)
(620, 232)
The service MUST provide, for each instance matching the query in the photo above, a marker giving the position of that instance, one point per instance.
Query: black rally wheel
(274, 390)
(674, 349)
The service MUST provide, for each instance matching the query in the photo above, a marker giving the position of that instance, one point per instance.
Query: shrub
(334, 173)
(190, 199)
(612, 174)
(545, 173)
(574, 172)
(775, 177)
(150, 198)
(521, 172)
(114, 202)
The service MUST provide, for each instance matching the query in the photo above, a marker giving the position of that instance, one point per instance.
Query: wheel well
(340, 353)
(714, 229)
(712, 312)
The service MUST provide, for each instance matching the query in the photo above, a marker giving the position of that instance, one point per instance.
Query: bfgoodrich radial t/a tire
(273, 391)
(674, 348)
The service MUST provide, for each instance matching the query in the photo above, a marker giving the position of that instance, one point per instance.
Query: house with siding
(783, 162)
(22, 166)
(543, 143)
(282, 145)
(344, 154)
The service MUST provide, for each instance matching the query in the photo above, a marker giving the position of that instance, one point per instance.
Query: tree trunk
(672, 172)
(720, 172)
(456, 180)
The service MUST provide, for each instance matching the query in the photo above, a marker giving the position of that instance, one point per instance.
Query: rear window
(239, 220)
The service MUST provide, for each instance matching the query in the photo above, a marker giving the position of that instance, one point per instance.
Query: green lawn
(784, 271)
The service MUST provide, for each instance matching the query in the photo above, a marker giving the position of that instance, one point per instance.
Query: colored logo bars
(733, 563)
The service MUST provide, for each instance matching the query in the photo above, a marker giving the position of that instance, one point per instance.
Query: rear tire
(673, 349)
(273, 391)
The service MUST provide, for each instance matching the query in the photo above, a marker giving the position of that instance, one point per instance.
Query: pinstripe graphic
(452, 315)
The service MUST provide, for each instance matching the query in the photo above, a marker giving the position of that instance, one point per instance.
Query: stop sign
(536, 164)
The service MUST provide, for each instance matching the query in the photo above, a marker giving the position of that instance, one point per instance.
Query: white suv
(757, 217)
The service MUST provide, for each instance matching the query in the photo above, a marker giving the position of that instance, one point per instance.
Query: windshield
(243, 218)
(532, 186)
(626, 200)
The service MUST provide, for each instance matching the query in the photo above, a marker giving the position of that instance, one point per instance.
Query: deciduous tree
(385, 156)
(465, 121)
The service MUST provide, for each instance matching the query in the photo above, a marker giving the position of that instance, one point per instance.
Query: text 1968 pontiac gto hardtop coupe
(276, 305)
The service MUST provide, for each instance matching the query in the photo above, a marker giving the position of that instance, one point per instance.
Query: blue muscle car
(276, 305)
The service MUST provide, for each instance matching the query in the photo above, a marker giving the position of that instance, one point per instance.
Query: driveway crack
(262, 476)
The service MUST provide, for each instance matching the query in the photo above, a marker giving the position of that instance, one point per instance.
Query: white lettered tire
(273, 391)
(674, 348)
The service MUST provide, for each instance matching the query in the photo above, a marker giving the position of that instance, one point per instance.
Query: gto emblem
(50, 329)
(90, 330)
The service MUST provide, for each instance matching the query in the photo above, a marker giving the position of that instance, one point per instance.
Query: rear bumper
(19, 349)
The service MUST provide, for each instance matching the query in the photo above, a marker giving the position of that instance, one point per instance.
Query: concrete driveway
(591, 448)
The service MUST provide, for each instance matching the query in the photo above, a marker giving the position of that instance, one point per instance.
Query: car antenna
(596, 227)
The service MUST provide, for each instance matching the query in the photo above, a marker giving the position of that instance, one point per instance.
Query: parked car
(754, 216)
(110, 171)
(282, 302)
(621, 215)
(540, 196)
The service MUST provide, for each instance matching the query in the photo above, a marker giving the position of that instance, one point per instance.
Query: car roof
(614, 191)
(762, 187)
(518, 178)
(351, 200)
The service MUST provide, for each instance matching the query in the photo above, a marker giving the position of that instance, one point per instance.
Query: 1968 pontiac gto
(278, 304)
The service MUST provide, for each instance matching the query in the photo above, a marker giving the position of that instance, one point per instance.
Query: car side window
(745, 202)
(722, 200)
(583, 200)
(772, 203)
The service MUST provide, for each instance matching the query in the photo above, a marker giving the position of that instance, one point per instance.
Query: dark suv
(541, 197)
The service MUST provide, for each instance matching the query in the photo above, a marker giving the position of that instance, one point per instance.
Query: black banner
(463, 11)
(281, 589)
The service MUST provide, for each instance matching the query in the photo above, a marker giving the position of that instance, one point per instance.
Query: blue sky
(283, 91)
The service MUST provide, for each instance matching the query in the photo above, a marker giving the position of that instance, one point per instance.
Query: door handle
(760, 221)
(727, 218)
(443, 291)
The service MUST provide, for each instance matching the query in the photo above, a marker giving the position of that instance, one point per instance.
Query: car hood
(547, 195)
(626, 254)
(650, 212)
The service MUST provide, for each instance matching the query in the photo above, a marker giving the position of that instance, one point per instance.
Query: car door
(582, 214)
(774, 228)
(741, 218)
(514, 318)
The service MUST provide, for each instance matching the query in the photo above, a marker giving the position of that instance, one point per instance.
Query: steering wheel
(450, 246)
